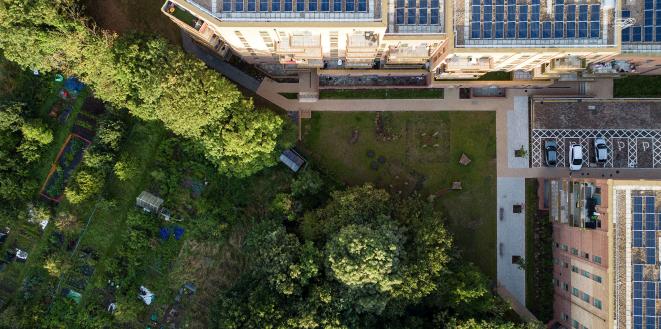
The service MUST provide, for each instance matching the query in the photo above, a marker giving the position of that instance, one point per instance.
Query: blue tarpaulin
(73, 85)
(165, 233)
(178, 232)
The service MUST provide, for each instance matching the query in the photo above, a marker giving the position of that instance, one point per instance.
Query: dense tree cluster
(146, 76)
(364, 260)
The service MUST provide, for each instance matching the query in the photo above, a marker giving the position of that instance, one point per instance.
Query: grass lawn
(420, 153)
(637, 86)
(381, 93)
(539, 257)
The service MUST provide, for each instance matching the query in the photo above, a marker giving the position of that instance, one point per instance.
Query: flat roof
(533, 23)
(637, 267)
(596, 114)
(642, 26)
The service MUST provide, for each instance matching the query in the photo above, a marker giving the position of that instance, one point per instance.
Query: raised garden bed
(66, 162)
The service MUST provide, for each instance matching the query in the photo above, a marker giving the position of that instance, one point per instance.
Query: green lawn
(539, 257)
(384, 93)
(637, 86)
(420, 153)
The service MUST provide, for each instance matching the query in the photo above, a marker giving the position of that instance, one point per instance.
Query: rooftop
(532, 23)
(641, 20)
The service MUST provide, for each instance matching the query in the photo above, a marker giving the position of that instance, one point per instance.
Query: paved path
(208, 57)
(511, 236)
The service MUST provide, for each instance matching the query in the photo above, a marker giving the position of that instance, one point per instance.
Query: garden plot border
(67, 171)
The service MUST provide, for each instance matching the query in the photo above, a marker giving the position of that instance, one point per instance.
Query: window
(574, 269)
(585, 274)
(574, 251)
(556, 261)
(596, 259)
(586, 256)
(557, 245)
(564, 247)
(574, 292)
(565, 286)
(585, 297)
(566, 264)
(597, 303)
(574, 324)
(565, 317)
(596, 278)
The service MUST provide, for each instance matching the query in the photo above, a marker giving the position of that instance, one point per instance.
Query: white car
(575, 157)
(600, 150)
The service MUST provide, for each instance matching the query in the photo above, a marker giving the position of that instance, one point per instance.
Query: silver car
(600, 150)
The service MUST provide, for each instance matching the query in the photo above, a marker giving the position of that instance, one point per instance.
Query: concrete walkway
(511, 236)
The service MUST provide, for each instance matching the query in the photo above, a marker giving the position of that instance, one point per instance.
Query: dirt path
(124, 16)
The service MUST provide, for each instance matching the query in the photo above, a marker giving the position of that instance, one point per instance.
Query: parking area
(631, 129)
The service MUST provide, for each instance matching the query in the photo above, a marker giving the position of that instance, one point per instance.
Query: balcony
(467, 64)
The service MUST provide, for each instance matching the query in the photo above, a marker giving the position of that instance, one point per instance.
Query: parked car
(551, 152)
(600, 150)
(575, 157)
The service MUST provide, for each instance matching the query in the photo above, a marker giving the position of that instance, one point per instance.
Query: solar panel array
(342, 6)
(417, 12)
(650, 30)
(507, 20)
(646, 289)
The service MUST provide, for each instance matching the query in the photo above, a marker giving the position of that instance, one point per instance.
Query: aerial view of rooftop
(317, 164)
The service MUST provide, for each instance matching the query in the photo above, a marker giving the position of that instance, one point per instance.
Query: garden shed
(148, 202)
(292, 159)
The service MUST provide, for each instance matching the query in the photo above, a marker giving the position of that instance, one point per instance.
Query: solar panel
(500, 30)
(534, 30)
(488, 2)
(475, 2)
(263, 5)
(559, 30)
(523, 30)
(583, 12)
(650, 239)
(650, 221)
(238, 5)
(626, 14)
(649, 17)
(546, 30)
(626, 35)
(434, 4)
(651, 255)
(400, 17)
(486, 30)
(649, 203)
(511, 30)
(434, 16)
(571, 13)
(488, 13)
(594, 30)
(337, 6)
(637, 238)
(559, 12)
(571, 30)
(638, 272)
(650, 292)
(475, 14)
(500, 13)
(362, 5)
(275, 5)
(300, 5)
(252, 6)
(422, 16)
(649, 4)
(582, 29)
(325, 5)
(534, 13)
(227, 5)
(350, 5)
(595, 12)
(637, 200)
(500, 2)
(475, 30)
(410, 17)
(636, 33)
(511, 12)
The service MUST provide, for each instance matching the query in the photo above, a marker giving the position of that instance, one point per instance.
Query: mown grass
(413, 93)
(421, 155)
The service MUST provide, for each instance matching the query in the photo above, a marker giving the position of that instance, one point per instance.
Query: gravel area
(607, 114)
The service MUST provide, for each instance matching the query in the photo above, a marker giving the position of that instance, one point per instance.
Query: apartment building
(578, 210)
(446, 39)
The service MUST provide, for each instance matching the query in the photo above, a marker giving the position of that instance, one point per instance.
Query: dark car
(551, 152)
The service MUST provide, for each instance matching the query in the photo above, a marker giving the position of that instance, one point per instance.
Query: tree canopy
(145, 75)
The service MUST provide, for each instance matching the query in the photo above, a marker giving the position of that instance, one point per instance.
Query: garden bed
(66, 162)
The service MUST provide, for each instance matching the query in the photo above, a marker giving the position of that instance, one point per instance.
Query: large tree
(145, 75)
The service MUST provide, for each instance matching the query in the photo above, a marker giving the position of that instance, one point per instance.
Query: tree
(307, 183)
(148, 77)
